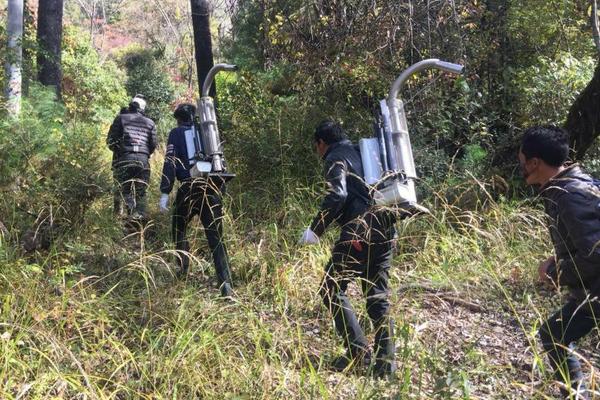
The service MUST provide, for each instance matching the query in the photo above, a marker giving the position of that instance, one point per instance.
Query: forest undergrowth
(101, 314)
(92, 309)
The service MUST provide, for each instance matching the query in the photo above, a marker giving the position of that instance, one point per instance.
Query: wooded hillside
(92, 308)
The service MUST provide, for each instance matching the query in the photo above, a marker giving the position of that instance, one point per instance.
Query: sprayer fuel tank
(371, 160)
(210, 133)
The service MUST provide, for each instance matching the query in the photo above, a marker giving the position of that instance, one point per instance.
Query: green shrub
(147, 75)
(92, 89)
(50, 166)
(267, 139)
(550, 86)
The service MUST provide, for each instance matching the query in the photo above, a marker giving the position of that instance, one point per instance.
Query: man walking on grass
(200, 196)
(132, 139)
(572, 203)
(363, 251)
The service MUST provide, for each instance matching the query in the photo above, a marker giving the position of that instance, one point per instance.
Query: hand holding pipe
(210, 77)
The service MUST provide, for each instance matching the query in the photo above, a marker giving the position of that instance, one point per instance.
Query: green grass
(102, 317)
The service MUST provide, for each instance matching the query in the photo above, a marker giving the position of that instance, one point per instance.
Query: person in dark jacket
(196, 196)
(572, 203)
(117, 198)
(363, 251)
(132, 139)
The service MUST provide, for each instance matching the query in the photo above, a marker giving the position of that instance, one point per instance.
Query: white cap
(139, 100)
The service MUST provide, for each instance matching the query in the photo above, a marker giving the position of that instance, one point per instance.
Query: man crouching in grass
(572, 203)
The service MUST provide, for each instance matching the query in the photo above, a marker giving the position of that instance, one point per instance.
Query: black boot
(384, 368)
(181, 274)
(183, 258)
(385, 351)
(226, 290)
(577, 391)
(117, 205)
(349, 361)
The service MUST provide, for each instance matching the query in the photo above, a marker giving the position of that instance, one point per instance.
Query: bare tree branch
(178, 36)
(85, 8)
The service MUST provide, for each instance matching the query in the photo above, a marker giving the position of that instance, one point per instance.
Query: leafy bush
(267, 141)
(92, 88)
(50, 166)
(551, 85)
(146, 75)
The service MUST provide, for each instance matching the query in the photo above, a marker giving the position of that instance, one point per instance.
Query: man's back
(139, 133)
(348, 196)
(176, 165)
(132, 139)
(572, 202)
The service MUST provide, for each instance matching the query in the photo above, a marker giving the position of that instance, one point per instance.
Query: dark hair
(549, 143)
(185, 112)
(330, 132)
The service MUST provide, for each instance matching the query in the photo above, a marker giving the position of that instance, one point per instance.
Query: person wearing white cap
(132, 139)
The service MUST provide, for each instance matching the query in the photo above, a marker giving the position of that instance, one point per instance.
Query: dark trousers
(203, 198)
(575, 320)
(117, 200)
(133, 171)
(370, 263)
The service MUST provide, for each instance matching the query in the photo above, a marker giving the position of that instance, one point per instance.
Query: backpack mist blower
(389, 167)
(203, 142)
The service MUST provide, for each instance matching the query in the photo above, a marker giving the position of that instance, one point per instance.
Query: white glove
(309, 237)
(163, 204)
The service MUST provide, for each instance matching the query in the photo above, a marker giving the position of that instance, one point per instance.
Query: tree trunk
(202, 42)
(495, 26)
(29, 52)
(583, 120)
(594, 23)
(49, 36)
(14, 56)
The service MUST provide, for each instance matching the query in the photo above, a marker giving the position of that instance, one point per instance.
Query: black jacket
(347, 195)
(572, 203)
(176, 159)
(132, 132)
